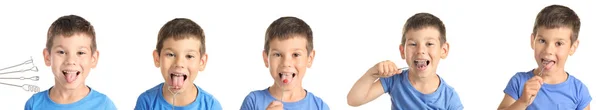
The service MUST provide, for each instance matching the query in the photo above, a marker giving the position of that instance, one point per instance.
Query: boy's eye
(276, 54)
(412, 44)
(80, 53)
(170, 55)
(60, 52)
(559, 43)
(429, 44)
(296, 54)
(542, 41)
(189, 56)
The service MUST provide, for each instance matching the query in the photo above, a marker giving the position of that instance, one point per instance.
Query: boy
(288, 52)
(549, 87)
(419, 87)
(180, 53)
(71, 53)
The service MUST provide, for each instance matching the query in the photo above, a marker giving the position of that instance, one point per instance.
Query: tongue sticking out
(547, 64)
(177, 81)
(286, 78)
(71, 77)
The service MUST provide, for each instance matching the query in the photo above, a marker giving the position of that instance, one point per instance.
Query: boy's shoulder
(152, 91)
(37, 98)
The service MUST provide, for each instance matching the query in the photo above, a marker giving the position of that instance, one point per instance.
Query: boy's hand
(275, 105)
(530, 90)
(384, 69)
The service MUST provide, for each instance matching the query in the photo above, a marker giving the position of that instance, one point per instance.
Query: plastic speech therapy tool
(399, 69)
(26, 87)
(33, 78)
(286, 79)
(30, 61)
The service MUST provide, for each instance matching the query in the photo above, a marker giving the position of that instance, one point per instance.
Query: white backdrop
(489, 43)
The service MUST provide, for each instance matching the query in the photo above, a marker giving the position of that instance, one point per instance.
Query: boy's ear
(265, 58)
(95, 57)
(47, 57)
(445, 50)
(203, 61)
(156, 58)
(311, 57)
(532, 40)
(402, 51)
(574, 47)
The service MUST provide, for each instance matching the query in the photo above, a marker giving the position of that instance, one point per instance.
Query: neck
(295, 94)
(425, 85)
(183, 98)
(62, 95)
(553, 77)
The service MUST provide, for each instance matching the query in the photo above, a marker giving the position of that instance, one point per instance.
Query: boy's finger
(275, 104)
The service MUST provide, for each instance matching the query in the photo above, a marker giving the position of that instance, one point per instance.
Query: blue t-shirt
(153, 99)
(260, 100)
(405, 97)
(569, 95)
(92, 101)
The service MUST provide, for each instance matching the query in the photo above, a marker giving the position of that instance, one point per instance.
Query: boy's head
(288, 51)
(424, 43)
(180, 53)
(554, 37)
(70, 51)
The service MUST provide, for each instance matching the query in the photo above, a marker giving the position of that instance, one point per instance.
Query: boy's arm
(508, 103)
(365, 90)
(587, 108)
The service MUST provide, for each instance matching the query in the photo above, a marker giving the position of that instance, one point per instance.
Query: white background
(489, 43)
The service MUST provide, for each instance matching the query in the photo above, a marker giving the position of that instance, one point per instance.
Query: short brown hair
(424, 20)
(555, 16)
(285, 28)
(68, 26)
(180, 28)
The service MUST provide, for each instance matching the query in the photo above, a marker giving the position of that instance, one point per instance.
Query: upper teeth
(69, 71)
(420, 61)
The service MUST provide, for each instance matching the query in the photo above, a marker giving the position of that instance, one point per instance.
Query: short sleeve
(324, 105)
(249, 102)
(141, 103)
(455, 103)
(513, 86)
(387, 83)
(216, 105)
(584, 97)
(29, 104)
(110, 105)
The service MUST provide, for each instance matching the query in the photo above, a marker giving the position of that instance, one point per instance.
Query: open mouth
(287, 77)
(421, 64)
(547, 63)
(177, 80)
(71, 75)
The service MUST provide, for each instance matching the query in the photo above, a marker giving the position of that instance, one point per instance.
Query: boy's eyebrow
(57, 46)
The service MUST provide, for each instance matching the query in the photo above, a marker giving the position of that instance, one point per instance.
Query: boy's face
(179, 63)
(422, 50)
(552, 46)
(287, 60)
(71, 59)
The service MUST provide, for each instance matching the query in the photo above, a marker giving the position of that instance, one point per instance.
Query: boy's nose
(287, 62)
(421, 49)
(70, 60)
(179, 62)
(549, 49)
